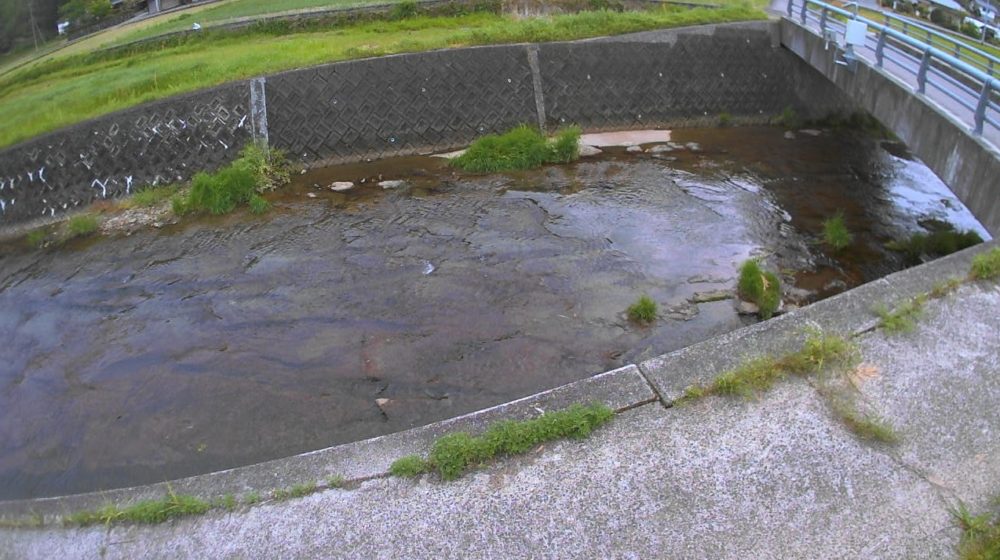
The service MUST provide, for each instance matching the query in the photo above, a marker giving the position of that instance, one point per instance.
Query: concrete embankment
(777, 476)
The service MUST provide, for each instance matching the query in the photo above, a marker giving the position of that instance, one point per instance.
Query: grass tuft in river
(836, 234)
(521, 148)
(939, 243)
(760, 287)
(238, 183)
(643, 311)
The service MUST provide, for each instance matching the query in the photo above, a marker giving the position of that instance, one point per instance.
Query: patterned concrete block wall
(415, 103)
(108, 157)
(399, 104)
(677, 78)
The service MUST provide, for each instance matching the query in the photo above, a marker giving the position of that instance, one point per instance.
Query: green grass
(296, 491)
(81, 225)
(904, 317)
(150, 196)
(643, 311)
(521, 148)
(61, 92)
(409, 466)
(252, 498)
(760, 287)
(36, 238)
(148, 511)
(788, 119)
(235, 185)
(836, 234)
(454, 454)
(935, 244)
(757, 375)
(980, 534)
(865, 425)
(725, 119)
(336, 481)
(227, 502)
(986, 266)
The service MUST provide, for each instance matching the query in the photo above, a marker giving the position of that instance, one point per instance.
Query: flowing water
(224, 341)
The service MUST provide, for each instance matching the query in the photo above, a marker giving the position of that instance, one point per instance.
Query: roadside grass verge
(521, 148)
(454, 454)
(55, 94)
(760, 287)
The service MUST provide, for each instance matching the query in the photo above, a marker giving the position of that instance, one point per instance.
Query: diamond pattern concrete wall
(400, 104)
(413, 103)
(675, 78)
(161, 142)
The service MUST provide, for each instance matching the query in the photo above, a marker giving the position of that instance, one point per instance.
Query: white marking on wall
(103, 185)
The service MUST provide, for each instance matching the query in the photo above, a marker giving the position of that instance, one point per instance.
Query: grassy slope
(233, 10)
(82, 91)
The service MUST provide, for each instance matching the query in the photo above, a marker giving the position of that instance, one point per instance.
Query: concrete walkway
(778, 476)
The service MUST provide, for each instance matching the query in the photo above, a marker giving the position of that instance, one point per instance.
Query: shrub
(725, 119)
(760, 287)
(788, 118)
(643, 310)
(835, 232)
(150, 196)
(521, 148)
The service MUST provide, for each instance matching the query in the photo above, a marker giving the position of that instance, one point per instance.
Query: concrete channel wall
(415, 103)
(967, 164)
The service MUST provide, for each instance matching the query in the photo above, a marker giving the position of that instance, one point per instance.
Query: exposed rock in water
(714, 295)
(587, 150)
(811, 131)
(693, 146)
(746, 307)
(684, 311)
(341, 186)
(789, 135)
(662, 148)
(702, 279)
(634, 149)
(392, 184)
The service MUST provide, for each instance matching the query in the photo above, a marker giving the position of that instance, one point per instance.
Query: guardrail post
(803, 14)
(880, 49)
(791, 8)
(925, 63)
(984, 101)
(822, 23)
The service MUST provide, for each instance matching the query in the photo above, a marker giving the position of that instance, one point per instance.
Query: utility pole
(35, 32)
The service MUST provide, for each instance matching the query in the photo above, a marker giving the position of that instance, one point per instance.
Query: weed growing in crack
(980, 534)
(454, 454)
(986, 266)
(904, 317)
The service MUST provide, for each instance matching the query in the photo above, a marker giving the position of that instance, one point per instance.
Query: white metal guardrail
(960, 72)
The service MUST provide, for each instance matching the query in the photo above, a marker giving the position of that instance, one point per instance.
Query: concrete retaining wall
(415, 103)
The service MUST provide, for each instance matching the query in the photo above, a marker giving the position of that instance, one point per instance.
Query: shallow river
(220, 342)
